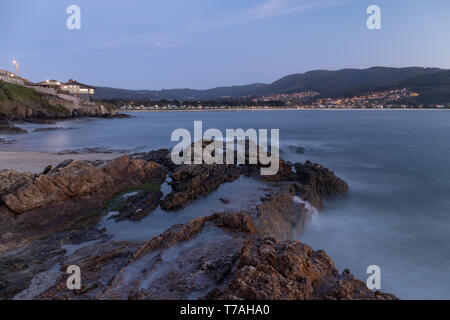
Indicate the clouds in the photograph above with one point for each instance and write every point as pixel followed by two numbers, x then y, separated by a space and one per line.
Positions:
pixel 141 40
pixel 272 8
pixel 275 8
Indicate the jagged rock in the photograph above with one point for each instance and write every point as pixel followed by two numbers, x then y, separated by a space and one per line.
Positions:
pixel 321 179
pixel 271 270
pixel 18 268
pixel 190 182
pixel 223 256
pixel 140 206
pixel 79 178
pixel 228 255
pixel 161 156
pixel 10 178
pixel 74 189
pixel 278 215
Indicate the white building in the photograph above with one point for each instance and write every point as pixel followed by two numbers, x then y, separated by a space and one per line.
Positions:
pixel 76 88
pixel 10 77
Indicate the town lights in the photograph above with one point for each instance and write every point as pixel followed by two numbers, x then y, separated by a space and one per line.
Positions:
pixel 16 64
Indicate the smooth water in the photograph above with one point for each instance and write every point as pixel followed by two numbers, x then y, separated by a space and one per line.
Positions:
pixel 397 164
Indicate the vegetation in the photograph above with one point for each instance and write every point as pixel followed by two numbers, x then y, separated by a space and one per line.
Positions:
pixel 14 96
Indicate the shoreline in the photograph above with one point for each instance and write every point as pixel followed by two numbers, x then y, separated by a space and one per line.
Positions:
pixel 286 109
pixel 36 162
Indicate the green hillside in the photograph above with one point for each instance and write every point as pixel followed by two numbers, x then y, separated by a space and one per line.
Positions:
pixel 18 102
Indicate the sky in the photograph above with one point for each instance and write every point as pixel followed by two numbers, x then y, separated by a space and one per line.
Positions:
pixel 157 44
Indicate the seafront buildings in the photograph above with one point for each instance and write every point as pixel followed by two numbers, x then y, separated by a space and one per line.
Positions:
pixel 54 87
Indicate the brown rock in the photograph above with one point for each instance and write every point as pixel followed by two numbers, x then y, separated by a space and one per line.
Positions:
pixel 80 178
pixel 190 182
pixel 321 179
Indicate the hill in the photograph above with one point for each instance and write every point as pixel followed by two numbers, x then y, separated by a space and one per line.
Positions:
pixel 327 83
pixel 432 88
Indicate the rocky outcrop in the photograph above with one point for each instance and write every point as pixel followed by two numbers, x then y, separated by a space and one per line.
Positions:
pixel 223 256
pixel 227 255
pixel 79 178
pixel 320 179
pixel 10 178
pixel 268 269
pixel 190 182
pixel 36 207
pixel 140 205
pixel 161 156
pixel 278 215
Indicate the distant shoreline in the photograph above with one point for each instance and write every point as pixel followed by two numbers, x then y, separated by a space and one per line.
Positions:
pixel 36 162
pixel 287 109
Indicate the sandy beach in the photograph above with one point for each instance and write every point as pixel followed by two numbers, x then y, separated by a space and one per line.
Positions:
pixel 36 162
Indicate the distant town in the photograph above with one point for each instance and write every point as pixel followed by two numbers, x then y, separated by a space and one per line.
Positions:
pixel 387 99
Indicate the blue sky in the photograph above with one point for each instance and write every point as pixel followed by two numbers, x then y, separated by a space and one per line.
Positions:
pixel 149 44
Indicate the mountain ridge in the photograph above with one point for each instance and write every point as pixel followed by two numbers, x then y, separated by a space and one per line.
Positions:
pixel 326 82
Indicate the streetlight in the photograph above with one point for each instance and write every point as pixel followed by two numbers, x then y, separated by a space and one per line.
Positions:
pixel 16 64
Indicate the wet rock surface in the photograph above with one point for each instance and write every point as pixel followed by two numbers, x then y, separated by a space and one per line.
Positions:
pixel 190 182
pixel 320 179
pixel 50 221
pixel 223 256
pixel 36 207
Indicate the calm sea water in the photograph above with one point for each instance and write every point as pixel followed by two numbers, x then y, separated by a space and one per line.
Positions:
pixel 397 163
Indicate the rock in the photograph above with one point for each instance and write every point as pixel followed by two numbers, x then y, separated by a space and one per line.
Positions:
pixel 190 182
pixel 80 178
pixel 7 129
pixel 19 267
pixel 140 206
pixel 279 216
pixel 321 179
pixel 222 256
pixel 161 156
pixel 10 178
pixel 45 204
pixel 47 170
pixel 246 255
pixel 271 270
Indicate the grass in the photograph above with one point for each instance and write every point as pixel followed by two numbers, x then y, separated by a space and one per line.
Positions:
pixel 12 95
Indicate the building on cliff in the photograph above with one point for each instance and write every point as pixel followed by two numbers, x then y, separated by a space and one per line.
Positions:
pixel 10 77
pixel 72 87
pixel 77 89
pixel 55 84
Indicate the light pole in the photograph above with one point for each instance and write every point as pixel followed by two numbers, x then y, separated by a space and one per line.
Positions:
pixel 16 64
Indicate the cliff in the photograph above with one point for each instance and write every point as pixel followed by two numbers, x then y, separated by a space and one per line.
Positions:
pixel 25 103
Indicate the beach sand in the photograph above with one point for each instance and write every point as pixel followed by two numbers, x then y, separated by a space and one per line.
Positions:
pixel 36 162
